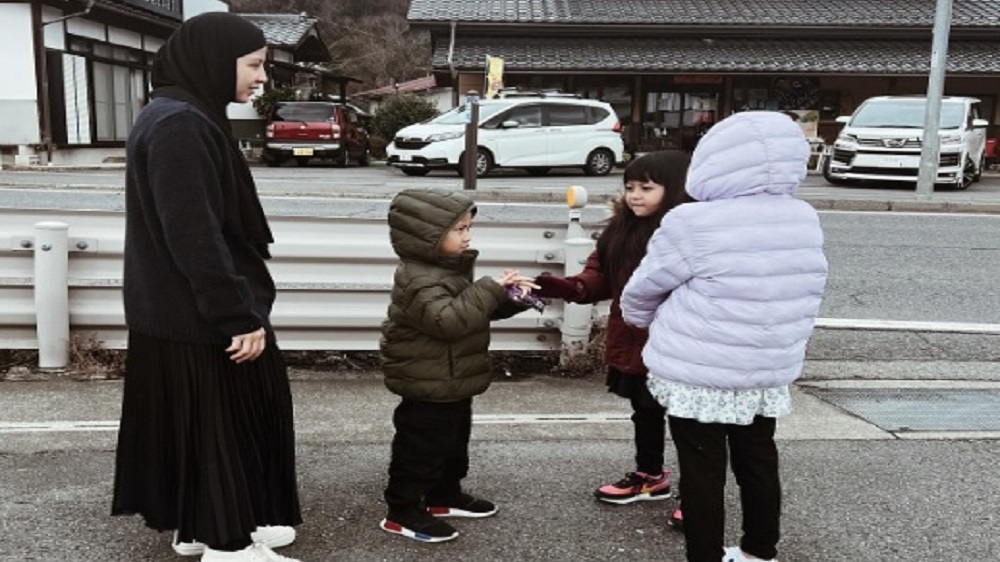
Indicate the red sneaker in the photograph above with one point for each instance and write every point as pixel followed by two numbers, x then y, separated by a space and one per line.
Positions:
pixel 636 486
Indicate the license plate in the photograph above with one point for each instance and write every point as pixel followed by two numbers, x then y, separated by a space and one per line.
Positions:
pixel 406 158
pixel 302 151
pixel 891 162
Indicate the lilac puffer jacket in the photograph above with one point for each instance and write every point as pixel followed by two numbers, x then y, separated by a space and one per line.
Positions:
pixel 744 266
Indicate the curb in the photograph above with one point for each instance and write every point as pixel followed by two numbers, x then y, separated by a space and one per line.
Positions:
pixel 972 207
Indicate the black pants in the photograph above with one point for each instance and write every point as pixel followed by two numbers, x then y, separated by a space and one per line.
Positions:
pixel 650 426
pixel 702 454
pixel 430 452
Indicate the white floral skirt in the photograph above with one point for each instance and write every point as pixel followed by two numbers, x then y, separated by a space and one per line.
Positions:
pixel 714 405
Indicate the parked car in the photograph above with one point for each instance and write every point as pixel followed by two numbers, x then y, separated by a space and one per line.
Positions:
pixel 328 130
pixel 535 133
pixel 883 138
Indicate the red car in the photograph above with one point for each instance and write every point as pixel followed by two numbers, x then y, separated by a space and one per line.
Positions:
pixel 327 130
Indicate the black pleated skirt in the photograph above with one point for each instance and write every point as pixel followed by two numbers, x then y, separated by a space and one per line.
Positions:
pixel 206 446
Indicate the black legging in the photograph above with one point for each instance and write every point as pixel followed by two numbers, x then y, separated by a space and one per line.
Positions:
pixel 430 452
pixel 650 426
pixel 753 455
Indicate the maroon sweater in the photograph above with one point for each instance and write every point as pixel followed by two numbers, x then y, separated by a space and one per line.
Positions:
pixel 623 348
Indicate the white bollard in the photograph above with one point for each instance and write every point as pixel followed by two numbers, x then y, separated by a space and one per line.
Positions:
pixel 577 318
pixel 52 294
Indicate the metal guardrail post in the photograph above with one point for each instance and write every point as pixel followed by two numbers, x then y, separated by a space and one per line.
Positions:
pixel 577 318
pixel 52 294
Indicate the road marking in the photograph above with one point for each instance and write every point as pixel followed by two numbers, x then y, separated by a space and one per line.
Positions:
pixel 907 326
pixel 519 419
pixel 479 419
pixel 56 426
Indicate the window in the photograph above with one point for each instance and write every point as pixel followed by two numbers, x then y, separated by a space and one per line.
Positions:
pixel 119 81
pixel 304 111
pixel 560 114
pixel 118 95
pixel 595 115
pixel 526 115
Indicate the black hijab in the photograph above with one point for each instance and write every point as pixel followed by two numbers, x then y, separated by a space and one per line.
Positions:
pixel 198 65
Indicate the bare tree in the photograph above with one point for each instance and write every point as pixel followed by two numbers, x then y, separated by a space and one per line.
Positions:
pixel 369 39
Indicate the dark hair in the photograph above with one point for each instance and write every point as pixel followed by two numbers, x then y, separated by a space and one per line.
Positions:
pixel 622 245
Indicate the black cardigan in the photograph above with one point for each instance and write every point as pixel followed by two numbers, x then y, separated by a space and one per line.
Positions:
pixel 190 273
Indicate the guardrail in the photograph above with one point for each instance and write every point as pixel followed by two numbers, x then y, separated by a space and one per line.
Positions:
pixel 333 277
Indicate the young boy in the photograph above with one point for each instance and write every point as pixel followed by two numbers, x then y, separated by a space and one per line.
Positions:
pixel 434 351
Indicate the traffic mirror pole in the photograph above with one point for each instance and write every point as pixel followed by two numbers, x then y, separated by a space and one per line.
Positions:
pixel 930 147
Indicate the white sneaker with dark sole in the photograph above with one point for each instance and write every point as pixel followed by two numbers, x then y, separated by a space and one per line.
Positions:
pixel 271 536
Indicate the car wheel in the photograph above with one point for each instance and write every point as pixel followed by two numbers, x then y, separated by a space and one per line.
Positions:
pixel 415 171
pixel 537 171
pixel 484 163
pixel 968 175
pixel 272 162
pixel 979 171
pixel 599 162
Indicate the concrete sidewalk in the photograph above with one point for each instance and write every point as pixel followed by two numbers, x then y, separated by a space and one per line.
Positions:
pixel 853 492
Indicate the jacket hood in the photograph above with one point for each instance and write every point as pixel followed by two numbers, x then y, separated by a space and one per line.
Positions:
pixel 420 218
pixel 747 154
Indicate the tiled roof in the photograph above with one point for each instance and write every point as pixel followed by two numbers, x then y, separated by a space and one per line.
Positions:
pixel 295 32
pixel 897 57
pixel 418 85
pixel 283 30
pixel 892 13
pixel 135 11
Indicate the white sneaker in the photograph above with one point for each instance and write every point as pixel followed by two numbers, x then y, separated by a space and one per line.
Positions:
pixel 735 554
pixel 256 552
pixel 271 536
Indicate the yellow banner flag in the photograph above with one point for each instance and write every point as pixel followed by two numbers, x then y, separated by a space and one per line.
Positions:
pixel 494 76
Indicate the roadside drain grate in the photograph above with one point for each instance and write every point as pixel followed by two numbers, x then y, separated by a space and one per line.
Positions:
pixel 900 409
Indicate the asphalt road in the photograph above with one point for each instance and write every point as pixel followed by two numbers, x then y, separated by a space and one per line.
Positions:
pixel 382 182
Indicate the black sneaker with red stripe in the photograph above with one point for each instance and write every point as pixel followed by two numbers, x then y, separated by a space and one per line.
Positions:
pixel 462 505
pixel 419 526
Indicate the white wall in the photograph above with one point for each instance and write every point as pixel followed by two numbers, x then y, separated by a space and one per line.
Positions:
pixel 18 99
pixel 194 7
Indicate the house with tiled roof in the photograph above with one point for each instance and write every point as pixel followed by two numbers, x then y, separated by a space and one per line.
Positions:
pixel 671 68
pixel 77 71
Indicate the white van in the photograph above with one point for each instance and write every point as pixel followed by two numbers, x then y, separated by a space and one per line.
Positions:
pixel 883 138
pixel 532 133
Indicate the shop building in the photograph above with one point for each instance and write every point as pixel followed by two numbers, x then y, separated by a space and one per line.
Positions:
pixel 672 68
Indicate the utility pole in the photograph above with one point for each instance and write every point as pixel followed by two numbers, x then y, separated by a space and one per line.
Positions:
pixel 471 141
pixel 930 148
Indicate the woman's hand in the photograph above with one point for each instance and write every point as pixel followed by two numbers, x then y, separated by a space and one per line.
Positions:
pixel 247 347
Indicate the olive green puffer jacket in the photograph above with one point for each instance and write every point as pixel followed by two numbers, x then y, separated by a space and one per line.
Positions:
pixel 437 334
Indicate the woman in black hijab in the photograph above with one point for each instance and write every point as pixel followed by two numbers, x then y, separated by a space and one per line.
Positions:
pixel 206 446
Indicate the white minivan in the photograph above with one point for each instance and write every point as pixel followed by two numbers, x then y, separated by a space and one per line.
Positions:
pixel 532 133
pixel 882 141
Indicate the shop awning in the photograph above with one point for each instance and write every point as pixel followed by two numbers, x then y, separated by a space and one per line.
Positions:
pixel 653 55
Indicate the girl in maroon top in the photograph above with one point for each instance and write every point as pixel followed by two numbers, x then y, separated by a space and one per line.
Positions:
pixel 654 184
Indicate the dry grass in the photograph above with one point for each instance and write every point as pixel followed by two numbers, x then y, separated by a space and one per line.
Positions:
pixel 90 360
